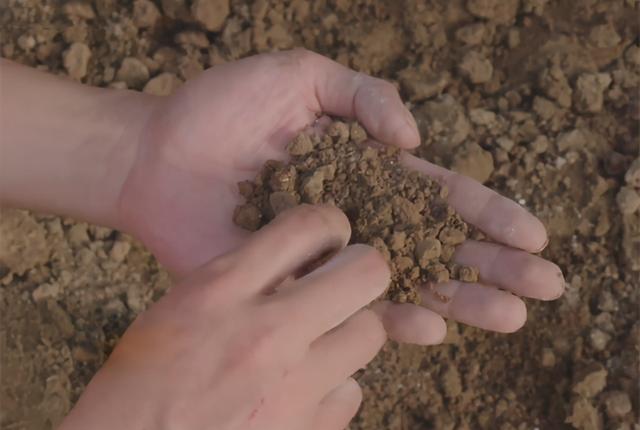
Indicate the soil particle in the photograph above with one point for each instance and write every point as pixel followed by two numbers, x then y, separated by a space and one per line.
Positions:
pixel 211 14
pixel 590 380
pixel 401 213
pixel 451 382
pixel 301 145
pixel 78 10
pixel 46 291
pixel 500 11
pixel 76 60
pixel 584 416
pixel 162 85
pixel 599 339
pixel 617 404
pixel 119 250
pixel 632 56
pixel 589 93
pixel 423 84
pixel 473 161
pixel 443 123
pixel 628 200
pixel 192 38
pixel 555 85
pixel 133 72
pixel 248 217
pixel 632 177
pixel 24 243
pixel 426 250
pixel 604 36
pixel 548 358
pixel 476 68
pixel 145 13
pixel 574 139
pixel 482 117
pixel 471 34
pixel 26 42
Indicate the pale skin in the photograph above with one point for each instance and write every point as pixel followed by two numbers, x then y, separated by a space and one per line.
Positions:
pixel 165 170
pixel 212 355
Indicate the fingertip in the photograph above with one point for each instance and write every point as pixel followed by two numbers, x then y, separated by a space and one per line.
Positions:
pixel 560 282
pixel 479 305
pixel 378 106
pixel 409 323
pixel 514 316
pixel 350 389
pixel 539 231
pixel 406 133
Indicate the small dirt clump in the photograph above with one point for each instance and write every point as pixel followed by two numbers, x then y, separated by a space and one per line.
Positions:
pixel 401 213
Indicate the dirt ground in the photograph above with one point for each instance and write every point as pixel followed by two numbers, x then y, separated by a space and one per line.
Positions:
pixel 536 98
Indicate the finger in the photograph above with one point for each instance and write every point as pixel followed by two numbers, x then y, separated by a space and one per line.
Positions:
pixel 338 408
pixel 511 269
pixel 340 353
pixel 293 239
pixel 502 219
pixel 408 323
pixel 323 299
pixel 478 305
pixel 338 90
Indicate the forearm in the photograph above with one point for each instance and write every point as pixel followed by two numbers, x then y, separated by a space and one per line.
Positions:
pixel 65 148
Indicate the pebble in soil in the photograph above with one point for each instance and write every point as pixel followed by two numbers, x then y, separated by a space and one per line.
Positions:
pixel 401 213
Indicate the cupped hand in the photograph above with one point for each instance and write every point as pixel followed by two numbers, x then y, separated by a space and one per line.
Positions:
pixel 221 127
pixel 238 345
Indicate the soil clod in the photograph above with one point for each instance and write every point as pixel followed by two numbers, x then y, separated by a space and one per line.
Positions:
pixel 401 213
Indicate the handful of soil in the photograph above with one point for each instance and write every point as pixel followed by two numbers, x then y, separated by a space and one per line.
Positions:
pixel 401 213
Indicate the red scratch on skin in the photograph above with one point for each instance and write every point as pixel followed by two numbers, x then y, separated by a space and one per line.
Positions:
pixel 254 413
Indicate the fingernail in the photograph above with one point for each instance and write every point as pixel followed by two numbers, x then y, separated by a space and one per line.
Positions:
pixel 410 118
pixel 546 242
pixel 342 258
pixel 563 283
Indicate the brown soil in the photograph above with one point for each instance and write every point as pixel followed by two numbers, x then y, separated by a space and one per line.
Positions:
pixel 403 214
pixel 536 98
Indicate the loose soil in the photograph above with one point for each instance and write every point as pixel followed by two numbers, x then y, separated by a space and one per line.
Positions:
pixel 403 214
pixel 536 98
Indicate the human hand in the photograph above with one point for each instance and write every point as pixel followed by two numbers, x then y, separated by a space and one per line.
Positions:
pixel 241 344
pixel 221 127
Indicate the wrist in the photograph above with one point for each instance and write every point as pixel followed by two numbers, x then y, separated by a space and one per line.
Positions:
pixel 66 148
pixel 109 151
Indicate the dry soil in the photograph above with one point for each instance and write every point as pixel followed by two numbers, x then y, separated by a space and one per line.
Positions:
pixel 536 98
pixel 403 214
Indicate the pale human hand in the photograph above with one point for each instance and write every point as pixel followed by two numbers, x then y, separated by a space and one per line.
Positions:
pixel 220 128
pixel 242 344
pixel 165 170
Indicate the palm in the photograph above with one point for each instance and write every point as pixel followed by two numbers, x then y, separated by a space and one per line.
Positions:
pixel 219 129
pixel 215 132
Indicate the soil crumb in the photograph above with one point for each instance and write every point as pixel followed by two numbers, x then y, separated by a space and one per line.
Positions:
pixel 401 213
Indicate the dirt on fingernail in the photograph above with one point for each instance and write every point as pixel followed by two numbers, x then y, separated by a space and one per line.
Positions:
pixel 401 213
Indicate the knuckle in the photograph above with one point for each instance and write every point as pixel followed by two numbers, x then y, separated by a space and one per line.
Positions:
pixel 257 349
pixel 373 329
pixel 529 273
pixel 209 285
pixel 308 218
pixel 300 57
pixel 222 266
pixel 384 86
